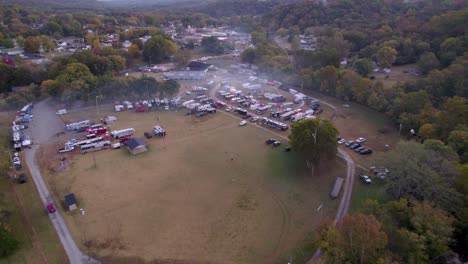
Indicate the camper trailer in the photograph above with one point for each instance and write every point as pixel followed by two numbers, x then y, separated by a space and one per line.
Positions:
pixel 117 134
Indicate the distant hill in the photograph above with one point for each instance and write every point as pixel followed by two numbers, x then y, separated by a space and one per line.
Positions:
pixel 56 4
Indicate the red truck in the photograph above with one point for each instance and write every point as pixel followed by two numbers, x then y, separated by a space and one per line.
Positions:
pixel 98 131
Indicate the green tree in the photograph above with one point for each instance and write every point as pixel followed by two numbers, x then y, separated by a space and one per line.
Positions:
pixel 314 139
pixel 454 113
pixel 364 66
pixel 458 140
pixel 182 57
pixel 449 50
pixel 8 244
pixel 361 90
pixel 295 43
pixel 249 55
pixel 386 56
pixel 258 38
pixel 328 77
pixel 170 88
pixel 212 45
pixel 158 48
pixel 421 173
pixel 427 62
pixel 73 72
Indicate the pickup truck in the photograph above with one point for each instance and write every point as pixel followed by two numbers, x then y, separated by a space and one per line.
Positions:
pixel 66 149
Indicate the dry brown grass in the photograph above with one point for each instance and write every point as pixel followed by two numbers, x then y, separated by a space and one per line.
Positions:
pixel 210 191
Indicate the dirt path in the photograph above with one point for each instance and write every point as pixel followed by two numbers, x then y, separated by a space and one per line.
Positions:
pixel 45 125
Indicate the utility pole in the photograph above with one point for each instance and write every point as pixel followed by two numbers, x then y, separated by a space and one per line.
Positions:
pixel 97 107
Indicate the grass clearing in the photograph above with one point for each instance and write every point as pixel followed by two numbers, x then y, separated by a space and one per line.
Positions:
pixel 397 75
pixel 210 191
pixel 363 192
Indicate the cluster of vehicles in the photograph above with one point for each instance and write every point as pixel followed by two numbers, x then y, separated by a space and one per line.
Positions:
pixel 356 145
pixel 18 138
pixel 97 137
pixel 155 104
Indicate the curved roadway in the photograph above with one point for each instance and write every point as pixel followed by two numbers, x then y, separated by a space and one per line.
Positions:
pixel 45 125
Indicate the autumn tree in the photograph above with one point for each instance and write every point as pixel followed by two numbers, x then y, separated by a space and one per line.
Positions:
pixel 52 88
pixel 134 51
pixel 357 239
pixel 314 139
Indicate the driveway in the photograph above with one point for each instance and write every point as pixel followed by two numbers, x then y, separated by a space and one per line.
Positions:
pixel 45 125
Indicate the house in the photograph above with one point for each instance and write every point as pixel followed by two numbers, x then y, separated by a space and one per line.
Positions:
pixel 136 146
pixel 70 201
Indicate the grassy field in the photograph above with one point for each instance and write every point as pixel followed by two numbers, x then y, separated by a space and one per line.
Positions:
pixel 210 191
pixel 363 192
pixel 34 213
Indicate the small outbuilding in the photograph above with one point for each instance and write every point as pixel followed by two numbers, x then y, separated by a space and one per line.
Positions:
pixel 136 146
pixel 70 200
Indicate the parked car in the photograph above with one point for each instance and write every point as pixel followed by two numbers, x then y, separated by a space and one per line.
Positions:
pixel 51 208
pixel 355 145
pixel 365 179
pixel 365 151
pixel 18 167
pixel 287 149
pixel 360 140
pixel 116 146
pixel 270 141
pixel 341 141
pixel 243 123
pixel 148 135
pixel 359 149
pixel 16 161
pixel 276 143
pixel 349 143
pixel 254 119
pixel 22 178
pixel 228 109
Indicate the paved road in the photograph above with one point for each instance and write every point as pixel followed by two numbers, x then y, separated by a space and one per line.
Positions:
pixel 44 125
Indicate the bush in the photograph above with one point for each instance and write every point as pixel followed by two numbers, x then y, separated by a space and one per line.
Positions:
pixel 8 244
